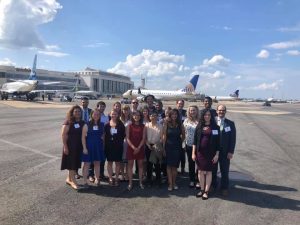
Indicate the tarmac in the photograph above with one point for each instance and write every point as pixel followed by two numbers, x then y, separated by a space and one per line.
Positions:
pixel 264 173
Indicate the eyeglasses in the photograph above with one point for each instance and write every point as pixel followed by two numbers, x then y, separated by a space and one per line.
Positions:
pixel 134 102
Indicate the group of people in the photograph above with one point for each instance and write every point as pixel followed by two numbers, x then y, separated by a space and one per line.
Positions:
pixel 152 139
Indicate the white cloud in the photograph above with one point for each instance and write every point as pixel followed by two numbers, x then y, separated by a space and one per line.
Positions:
pixel 263 54
pixel 217 75
pixel 7 62
pixel 150 63
pixel 295 28
pixel 53 53
pixel 52 47
pixel 19 21
pixel 216 60
pixel 96 45
pixel 293 52
pixel 238 77
pixel 268 86
pixel 227 28
pixel 284 45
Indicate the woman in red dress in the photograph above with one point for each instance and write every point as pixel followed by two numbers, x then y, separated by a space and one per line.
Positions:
pixel 136 136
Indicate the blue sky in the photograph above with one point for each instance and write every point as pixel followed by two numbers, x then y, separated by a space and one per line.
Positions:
pixel 253 46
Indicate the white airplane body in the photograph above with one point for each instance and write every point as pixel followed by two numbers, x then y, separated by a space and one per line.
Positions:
pixel 21 87
pixel 185 93
pixel 232 97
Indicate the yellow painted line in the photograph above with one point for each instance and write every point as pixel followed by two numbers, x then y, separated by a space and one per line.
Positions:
pixel 260 112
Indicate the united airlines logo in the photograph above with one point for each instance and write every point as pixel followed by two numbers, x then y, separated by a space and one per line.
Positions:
pixel 189 88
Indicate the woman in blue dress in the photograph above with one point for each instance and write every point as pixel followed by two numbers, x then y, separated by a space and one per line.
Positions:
pixel 92 141
pixel 173 136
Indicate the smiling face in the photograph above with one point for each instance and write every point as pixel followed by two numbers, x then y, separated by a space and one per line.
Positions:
pixel 136 117
pixel 221 111
pixel 96 115
pixel 192 112
pixel 77 113
pixel 207 116
pixel 114 115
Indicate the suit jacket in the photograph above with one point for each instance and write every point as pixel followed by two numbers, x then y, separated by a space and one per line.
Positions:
pixel 182 114
pixel 89 112
pixel 214 140
pixel 228 137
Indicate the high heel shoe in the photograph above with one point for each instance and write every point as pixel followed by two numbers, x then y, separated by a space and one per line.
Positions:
pixel 129 187
pixel 200 194
pixel 205 195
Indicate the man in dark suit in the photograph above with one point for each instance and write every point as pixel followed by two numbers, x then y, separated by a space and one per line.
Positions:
pixel 182 114
pixel 227 146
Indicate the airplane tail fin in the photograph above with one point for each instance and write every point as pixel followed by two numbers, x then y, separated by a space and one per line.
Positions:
pixel 32 75
pixel 235 94
pixel 191 86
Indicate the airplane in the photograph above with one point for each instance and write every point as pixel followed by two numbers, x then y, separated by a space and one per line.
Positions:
pixel 232 97
pixel 187 92
pixel 23 87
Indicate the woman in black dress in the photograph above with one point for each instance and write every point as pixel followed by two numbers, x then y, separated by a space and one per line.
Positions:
pixel 72 145
pixel 206 151
pixel 173 136
pixel 114 134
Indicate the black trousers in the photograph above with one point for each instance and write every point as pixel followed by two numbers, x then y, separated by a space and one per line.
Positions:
pixel 224 165
pixel 189 151
pixel 182 159
pixel 150 166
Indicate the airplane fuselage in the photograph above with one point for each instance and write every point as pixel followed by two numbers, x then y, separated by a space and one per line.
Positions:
pixel 19 87
pixel 158 94
pixel 224 98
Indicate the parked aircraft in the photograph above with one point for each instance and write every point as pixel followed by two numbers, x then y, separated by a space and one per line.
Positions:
pixel 187 92
pixel 23 87
pixel 232 97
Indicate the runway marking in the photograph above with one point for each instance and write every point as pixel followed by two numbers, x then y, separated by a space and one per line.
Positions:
pixel 260 112
pixel 30 149
pixel 26 172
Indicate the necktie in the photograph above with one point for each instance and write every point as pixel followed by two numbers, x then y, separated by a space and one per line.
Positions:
pixel 221 125
pixel 86 116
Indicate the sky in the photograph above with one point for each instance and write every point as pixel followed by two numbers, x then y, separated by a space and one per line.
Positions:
pixel 253 46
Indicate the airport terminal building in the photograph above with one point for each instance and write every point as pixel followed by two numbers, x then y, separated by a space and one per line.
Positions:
pixel 105 83
pixel 102 83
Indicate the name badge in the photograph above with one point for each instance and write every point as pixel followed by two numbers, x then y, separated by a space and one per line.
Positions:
pixel 227 129
pixel 76 125
pixel 114 131
pixel 215 132
pixel 95 127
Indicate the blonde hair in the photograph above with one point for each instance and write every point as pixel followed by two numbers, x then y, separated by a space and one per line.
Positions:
pixel 189 115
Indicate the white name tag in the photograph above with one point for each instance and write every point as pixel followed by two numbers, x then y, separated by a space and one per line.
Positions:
pixel 114 131
pixel 76 125
pixel 215 132
pixel 227 129
pixel 95 128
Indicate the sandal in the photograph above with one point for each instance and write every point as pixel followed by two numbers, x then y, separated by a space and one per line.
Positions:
pixel 111 182
pixel 205 197
pixel 142 186
pixel 200 194
pixel 97 183
pixel 129 187
pixel 170 188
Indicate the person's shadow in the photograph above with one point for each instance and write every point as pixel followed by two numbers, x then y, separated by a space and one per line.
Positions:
pixel 258 194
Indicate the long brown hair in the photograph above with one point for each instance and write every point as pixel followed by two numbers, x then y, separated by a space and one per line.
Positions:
pixel 70 116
